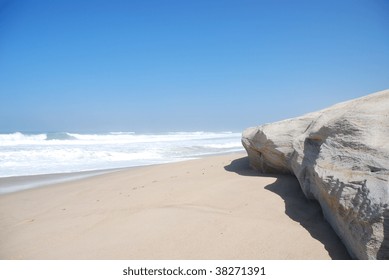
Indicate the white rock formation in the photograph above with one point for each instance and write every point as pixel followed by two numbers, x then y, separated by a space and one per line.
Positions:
pixel 340 156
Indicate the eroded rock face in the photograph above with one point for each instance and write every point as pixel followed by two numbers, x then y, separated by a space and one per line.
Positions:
pixel 340 156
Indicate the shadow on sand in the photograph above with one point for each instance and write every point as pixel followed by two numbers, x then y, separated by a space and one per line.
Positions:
pixel 306 212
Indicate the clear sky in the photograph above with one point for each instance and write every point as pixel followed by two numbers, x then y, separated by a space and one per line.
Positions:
pixel 184 65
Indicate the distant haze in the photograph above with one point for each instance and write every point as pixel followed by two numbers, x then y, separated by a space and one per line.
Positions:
pixel 154 66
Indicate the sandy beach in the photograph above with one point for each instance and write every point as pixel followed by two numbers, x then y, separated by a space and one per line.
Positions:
pixel 210 208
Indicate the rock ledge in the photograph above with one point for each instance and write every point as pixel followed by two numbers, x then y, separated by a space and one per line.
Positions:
pixel 340 156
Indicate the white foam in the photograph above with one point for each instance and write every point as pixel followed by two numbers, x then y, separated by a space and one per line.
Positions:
pixel 18 138
pixel 46 153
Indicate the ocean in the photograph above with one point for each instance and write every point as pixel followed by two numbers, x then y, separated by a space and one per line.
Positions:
pixel 24 154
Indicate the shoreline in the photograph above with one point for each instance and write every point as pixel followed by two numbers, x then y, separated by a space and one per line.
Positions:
pixel 22 183
pixel 13 184
pixel 209 208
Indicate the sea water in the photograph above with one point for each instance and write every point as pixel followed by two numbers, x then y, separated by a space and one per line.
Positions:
pixel 47 153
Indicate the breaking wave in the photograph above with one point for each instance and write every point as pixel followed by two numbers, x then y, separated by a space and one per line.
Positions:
pixel 45 153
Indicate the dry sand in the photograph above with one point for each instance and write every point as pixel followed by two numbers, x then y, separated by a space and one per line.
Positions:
pixel 212 208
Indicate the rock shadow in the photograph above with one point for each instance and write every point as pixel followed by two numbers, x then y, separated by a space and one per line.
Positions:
pixel 306 212
pixel 242 167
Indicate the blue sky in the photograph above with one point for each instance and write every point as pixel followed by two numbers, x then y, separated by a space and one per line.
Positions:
pixel 154 66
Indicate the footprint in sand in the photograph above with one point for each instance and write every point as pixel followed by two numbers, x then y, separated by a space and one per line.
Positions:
pixel 26 221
